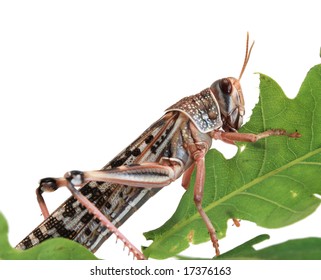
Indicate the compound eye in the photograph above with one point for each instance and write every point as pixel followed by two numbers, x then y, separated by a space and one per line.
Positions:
pixel 225 86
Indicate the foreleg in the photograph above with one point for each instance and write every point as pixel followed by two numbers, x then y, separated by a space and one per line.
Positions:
pixel 231 137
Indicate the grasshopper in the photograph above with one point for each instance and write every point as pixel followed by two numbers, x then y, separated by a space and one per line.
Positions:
pixel 172 147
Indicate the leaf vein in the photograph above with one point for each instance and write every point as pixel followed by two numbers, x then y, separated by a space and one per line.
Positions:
pixel 269 201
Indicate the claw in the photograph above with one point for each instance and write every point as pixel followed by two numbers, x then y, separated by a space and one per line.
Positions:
pixel 295 135
pixel 236 222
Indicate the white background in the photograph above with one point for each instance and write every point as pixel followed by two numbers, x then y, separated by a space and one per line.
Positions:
pixel 79 80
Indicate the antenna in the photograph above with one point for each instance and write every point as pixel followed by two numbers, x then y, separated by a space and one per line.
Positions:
pixel 247 55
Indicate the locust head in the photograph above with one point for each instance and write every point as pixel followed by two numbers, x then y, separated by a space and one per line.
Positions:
pixel 229 96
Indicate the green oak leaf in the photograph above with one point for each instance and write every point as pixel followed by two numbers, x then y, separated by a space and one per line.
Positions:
pixel 52 249
pixel 271 182
pixel 297 249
